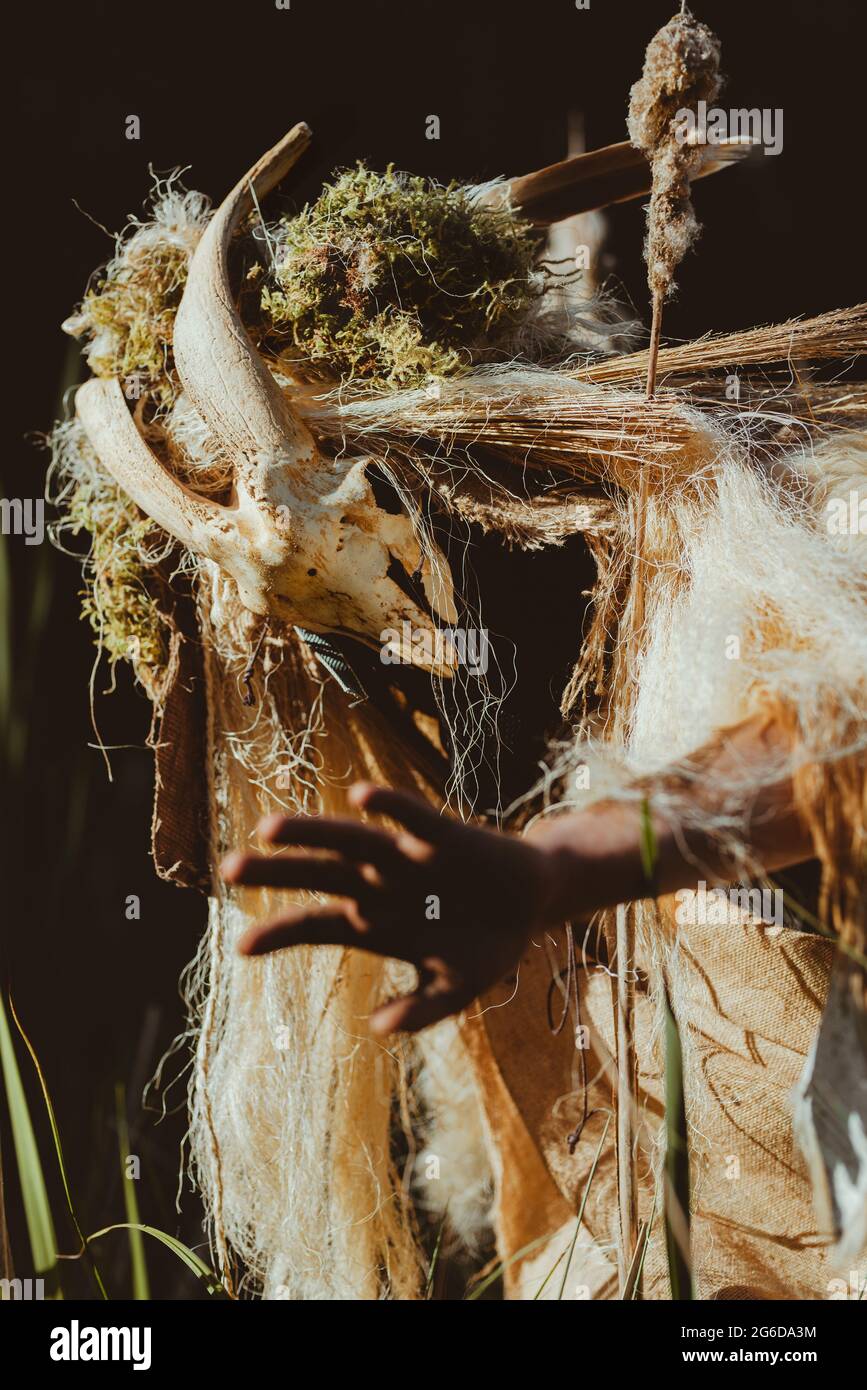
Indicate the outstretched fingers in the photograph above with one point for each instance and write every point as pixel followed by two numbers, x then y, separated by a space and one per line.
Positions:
pixel 337 925
pixel 418 817
pixel 313 927
pixel 313 872
pixel 350 838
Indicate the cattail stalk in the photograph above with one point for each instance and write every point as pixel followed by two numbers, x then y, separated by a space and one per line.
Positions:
pixel 681 67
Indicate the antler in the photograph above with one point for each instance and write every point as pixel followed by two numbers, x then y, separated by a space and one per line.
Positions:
pixel 220 368
pixel 308 544
pixel 233 537
pixel 236 396
pixel 113 433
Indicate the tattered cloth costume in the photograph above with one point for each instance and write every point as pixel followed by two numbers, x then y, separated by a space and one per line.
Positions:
pixel 422 493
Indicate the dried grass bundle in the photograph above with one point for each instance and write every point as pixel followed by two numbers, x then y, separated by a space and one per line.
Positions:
pixel 836 335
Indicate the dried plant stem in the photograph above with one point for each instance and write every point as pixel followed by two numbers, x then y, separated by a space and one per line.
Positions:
pixel 627 1191
pixel 641 505
pixel 681 67
pixel 625 1000
pixel 653 350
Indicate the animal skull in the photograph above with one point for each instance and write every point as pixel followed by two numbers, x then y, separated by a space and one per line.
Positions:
pixel 303 536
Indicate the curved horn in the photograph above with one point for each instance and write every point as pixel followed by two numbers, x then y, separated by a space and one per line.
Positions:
pixel 113 433
pixel 221 370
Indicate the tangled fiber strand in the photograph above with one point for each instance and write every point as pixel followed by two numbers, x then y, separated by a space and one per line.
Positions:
pixel 838 334
pixel 798 646
pixel 124 592
pixel 535 417
pixel 127 323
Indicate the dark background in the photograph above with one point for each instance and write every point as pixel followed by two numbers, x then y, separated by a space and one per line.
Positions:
pixel 214 86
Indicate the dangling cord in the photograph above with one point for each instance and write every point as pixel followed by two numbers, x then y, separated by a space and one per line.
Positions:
pixel 571 995
pixel 557 1028
pixel 572 1139
pixel 248 697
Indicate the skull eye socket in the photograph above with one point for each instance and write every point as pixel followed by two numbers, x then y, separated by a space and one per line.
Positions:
pixel 384 494
pixel 411 586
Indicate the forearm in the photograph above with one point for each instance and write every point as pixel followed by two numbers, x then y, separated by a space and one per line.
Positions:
pixel 595 858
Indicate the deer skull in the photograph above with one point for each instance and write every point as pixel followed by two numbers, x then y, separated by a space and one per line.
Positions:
pixel 303 536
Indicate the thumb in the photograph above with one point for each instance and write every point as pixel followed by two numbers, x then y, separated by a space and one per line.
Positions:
pixel 412 1012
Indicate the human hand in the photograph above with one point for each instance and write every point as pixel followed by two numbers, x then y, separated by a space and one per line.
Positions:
pixel 457 901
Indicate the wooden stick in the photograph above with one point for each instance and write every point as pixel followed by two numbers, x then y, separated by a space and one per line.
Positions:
pixel 597 179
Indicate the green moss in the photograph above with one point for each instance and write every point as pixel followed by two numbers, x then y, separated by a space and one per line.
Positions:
pixel 127 320
pixel 117 599
pixel 128 316
pixel 131 315
pixel 391 278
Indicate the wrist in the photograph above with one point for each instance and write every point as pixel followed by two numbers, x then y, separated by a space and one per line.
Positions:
pixel 592 860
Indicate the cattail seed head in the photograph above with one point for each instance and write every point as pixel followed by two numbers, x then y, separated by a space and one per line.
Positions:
pixel 681 68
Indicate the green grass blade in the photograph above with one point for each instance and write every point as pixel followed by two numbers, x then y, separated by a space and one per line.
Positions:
pixel 6 1270
pixel 677 1194
pixel 5 651
pixel 551 1272
pixel 648 847
pixel 590 1176
pixel 500 1269
pixel 632 1283
pixel 58 1148
pixel 138 1263
pixel 428 1288
pixel 37 1209
pixel 177 1247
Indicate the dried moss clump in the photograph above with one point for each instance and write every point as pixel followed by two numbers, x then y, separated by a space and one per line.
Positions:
pixel 127 319
pixel 119 571
pixel 120 610
pixel 129 316
pixel 391 278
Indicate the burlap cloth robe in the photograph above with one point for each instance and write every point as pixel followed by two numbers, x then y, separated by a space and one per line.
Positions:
pixel 747 1003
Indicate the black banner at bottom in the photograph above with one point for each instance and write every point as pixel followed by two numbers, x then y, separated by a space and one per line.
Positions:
pixel 63 1339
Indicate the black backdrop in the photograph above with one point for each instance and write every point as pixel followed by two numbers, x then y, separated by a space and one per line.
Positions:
pixel 214 85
